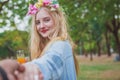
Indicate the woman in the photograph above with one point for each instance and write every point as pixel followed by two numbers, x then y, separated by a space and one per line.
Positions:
pixel 50 44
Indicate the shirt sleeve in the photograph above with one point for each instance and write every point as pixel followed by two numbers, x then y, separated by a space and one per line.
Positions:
pixel 52 62
pixel 3 74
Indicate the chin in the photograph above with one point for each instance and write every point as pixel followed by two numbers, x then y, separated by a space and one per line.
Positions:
pixel 44 36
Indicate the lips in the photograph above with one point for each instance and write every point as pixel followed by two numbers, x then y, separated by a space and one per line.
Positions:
pixel 44 30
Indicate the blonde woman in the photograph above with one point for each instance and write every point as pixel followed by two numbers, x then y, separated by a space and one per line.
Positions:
pixel 50 44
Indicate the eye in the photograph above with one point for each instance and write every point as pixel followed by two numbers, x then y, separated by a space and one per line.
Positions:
pixel 37 22
pixel 47 19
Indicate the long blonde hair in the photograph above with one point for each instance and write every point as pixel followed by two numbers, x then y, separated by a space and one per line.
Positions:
pixel 38 44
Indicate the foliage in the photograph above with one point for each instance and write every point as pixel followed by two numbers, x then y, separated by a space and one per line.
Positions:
pixel 10 10
pixel 87 19
pixel 11 41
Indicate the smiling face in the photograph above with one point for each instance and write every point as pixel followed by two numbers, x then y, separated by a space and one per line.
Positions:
pixel 44 23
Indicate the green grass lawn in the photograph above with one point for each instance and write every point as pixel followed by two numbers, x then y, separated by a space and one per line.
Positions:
pixel 101 68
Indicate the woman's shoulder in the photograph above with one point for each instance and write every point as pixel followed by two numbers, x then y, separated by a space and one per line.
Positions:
pixel 61 43
pixel 60 46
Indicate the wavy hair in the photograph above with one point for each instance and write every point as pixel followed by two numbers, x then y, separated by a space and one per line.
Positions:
pixel 38 45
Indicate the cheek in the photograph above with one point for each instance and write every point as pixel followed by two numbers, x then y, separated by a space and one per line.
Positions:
pixel 51 25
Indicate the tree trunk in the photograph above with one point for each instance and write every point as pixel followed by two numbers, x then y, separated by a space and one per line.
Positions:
pixel 113 26
pixel 91 56
pixel 83 50
pixel 99 48
pixel 117 42
pixel 82 46
pixel 107 43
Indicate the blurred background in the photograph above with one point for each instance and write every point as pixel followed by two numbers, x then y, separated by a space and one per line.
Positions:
pixel 94 27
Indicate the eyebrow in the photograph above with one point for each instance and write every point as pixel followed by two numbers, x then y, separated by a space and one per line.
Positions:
pixel 44 17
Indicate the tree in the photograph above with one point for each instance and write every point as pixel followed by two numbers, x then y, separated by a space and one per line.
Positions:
pixel 10 9
pixel 97 16
pixel 82 14
pixel 12 12
pixel 11 41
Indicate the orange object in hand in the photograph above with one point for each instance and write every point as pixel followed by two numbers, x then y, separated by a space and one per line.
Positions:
pixel 21 56
pixel 21 60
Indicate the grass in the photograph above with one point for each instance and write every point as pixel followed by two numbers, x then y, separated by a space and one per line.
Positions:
pixel 101 68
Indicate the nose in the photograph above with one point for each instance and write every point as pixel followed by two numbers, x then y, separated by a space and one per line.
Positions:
pixel 42 25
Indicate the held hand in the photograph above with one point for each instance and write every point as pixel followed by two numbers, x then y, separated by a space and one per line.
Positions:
pixel 31 72
pixel 10 66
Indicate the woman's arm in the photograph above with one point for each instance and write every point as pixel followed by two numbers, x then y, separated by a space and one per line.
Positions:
pixel 52 62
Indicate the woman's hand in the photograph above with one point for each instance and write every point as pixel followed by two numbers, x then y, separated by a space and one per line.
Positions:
pixel 32 72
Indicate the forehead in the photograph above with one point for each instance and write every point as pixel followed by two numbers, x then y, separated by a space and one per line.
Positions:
pixel 42 14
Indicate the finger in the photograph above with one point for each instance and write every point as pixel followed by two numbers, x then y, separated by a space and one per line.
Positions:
pixel 36 72
pixel 21 68
pixel 41 76
pixel 29 72
pixel 11 77
pixel 36 77
pixel 17 75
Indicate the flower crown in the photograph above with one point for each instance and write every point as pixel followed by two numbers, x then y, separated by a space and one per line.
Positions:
pixel 52 4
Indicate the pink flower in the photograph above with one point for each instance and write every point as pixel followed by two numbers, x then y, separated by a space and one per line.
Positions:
pixel 56 5
pixel 46 2
pixel 32 10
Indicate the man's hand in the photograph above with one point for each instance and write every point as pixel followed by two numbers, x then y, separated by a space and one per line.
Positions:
pixel 10 66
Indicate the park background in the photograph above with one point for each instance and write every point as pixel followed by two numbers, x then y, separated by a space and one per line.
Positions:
pixel 94 28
